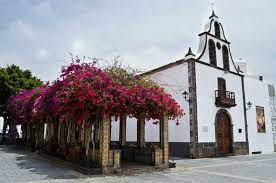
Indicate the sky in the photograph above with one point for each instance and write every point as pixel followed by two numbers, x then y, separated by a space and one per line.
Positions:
pixel 39 34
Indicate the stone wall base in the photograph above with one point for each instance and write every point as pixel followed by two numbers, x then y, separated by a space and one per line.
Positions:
pixel 204 150
pixel 179 149
pixel 208 149
pixel 240 148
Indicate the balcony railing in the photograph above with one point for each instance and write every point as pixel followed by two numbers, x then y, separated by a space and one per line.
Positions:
pixel 225 98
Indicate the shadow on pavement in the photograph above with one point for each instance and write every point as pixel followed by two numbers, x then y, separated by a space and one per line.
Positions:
pixel 35 164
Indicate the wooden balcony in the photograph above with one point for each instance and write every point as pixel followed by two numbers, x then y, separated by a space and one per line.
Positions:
pixel 225 99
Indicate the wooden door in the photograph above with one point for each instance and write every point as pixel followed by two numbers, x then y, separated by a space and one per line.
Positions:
pixel 224 134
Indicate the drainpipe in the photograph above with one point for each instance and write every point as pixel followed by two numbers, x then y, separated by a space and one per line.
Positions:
pixel 245 114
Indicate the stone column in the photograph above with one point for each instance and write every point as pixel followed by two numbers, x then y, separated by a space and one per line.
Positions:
pixel 104 143
pixel 141 131
pixel 122 137
pixel 194 149
pixel 164 138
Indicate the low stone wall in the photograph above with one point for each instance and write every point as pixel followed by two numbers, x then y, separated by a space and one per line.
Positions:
pixel 144 155
pixel 114 158
pixel 240 148
pixel 179 149
pixel 205 150
pixel 209 149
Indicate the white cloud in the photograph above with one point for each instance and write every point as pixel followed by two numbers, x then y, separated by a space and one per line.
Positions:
pixel 145 33
pixel 21 30
pixel 78 47
pixel 43 8
pixel 42 54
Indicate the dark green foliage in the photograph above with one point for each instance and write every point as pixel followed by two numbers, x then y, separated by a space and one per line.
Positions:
pixel 12 80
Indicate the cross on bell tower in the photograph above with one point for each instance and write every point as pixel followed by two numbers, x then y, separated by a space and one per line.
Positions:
pixel 212 4
pixel 213 10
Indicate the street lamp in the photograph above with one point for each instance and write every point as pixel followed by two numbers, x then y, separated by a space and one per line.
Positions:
pixel 186 96
pixel 249 105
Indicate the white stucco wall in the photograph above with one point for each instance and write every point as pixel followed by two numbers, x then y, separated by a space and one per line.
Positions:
pixel 206 78
pixel 273 118
pixel 257 93
pixel 175 82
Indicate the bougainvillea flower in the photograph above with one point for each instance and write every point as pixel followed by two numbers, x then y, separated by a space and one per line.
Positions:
pixel 84 92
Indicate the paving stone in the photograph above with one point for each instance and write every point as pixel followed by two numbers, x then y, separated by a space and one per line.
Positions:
pixel 23 166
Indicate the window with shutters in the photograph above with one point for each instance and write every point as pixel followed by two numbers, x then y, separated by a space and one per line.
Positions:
pixel 221 84
pixel 224 98
pixel 217 30
pixel 225 58
pixel 212 52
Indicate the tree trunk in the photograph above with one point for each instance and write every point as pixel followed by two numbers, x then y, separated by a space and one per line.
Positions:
pixel 69 133
pixel 12 134
pixel 24 133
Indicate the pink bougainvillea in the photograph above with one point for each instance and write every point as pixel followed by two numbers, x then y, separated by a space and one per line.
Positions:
pixel 21 106
pixel 84 92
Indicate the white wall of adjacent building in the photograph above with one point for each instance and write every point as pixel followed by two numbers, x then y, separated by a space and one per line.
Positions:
pixel 273 118
pixel 1 124
pixel 206 78
pixel 257 93
pixel 175 82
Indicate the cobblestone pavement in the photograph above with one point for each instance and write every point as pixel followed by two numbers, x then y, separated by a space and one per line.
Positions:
pixel 23 166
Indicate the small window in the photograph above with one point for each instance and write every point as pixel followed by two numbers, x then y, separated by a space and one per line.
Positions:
pixel 225 57
pixel 217 30
pixel 240 130
pixel 212 53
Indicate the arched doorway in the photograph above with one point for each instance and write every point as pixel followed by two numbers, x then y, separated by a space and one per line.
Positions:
pixel 224 134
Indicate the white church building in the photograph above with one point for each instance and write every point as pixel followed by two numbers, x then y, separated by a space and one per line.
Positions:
pixel 227 111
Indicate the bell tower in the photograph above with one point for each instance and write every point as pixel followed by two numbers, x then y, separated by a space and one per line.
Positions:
pixel 214 48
